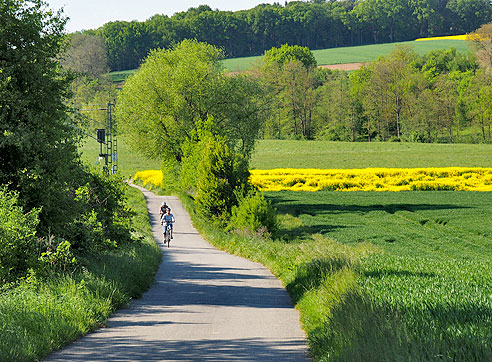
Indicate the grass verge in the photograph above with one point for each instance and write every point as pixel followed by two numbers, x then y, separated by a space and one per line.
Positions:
pixel 40 316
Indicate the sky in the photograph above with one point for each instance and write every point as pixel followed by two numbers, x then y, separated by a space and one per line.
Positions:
pixel 91 14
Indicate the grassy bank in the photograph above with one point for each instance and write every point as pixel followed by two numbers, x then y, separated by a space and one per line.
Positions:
pixel 381 276
pixel 43 314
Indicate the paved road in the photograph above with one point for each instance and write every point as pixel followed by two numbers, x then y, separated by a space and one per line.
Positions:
pixel 205 305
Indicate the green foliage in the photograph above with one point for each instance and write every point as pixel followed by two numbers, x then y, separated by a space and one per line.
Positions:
pixel 253 214
pixel 38 154
pixel 102 216
pixel 86 54
pixel 219 173
pixel 18 240
pixel 40 316
pixel 170 91
pixel 288 53
pixel 316 24
pixel 58 258
pixel 162 102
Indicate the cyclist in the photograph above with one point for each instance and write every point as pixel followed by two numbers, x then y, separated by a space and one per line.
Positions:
pixel 162 209
pixel 168 218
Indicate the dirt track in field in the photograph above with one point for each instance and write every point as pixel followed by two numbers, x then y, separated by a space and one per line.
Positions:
pixel 346 66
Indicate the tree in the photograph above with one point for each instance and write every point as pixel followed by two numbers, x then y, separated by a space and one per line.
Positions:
pixel 481 43
pixel 161 104
pixel 480 97
pixel 289 74
pixel 87 55
pixel 288 53
pixel 338 109
pixel 38 153
pixel 388 90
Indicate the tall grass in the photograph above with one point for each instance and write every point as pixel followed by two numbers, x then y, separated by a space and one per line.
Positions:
pixel 42 315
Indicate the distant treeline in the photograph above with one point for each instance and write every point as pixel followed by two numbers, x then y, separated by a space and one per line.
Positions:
pixel 316 24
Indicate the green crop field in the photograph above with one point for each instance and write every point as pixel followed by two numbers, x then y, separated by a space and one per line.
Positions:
pixel 120 76
pixel 391 276
pixel 271 154
pixel 356 54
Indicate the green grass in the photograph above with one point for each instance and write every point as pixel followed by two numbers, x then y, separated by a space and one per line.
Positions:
pixel 43 315
pixel 381 276
pixel 129 161
pixel 325 154
pixel 422 265
pixel 367 53
pixel 271 154
pixel 120 76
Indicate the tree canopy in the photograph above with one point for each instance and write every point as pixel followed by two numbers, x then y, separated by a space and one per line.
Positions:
pixel 315 24
pixel 161 103
pixel 37 143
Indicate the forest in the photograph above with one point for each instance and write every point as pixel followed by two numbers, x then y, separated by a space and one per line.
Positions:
pixel 317 24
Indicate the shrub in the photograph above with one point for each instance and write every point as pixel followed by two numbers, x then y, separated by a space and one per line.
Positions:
pixel 254 214
pixel 211 172
pixel 102 217
pixel 18 241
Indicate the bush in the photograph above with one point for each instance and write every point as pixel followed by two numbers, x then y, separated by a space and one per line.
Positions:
pixel 254 214
pixel 211 173
pixel 102 218
pixel 18 241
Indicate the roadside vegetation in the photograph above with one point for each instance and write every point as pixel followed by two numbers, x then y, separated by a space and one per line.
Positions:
pixel 68 238
pixel 69 298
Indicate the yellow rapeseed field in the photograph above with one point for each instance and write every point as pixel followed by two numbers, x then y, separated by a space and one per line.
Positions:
pixel 452 37
pixel 151 177
pixel 368 179
pixel 374 179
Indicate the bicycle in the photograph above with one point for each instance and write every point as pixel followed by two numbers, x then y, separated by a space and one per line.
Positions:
pixel 167 233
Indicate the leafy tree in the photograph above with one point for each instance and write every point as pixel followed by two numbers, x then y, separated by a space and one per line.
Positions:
pixel 388 90
pixel 481 43
pixel 480 97
pixel 288 53
pixel 160 105
pixel 87 54
pixel 336 109
pixel 18 240
pixel 289 73
pixel 38 154
pixel 469 15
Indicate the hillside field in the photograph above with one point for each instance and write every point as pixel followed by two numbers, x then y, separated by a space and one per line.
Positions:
pixel 342 55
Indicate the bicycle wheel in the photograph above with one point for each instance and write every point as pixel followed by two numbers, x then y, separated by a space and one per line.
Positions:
pixel 167 237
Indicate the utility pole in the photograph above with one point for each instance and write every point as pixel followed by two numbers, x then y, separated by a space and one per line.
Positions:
pixel 107 136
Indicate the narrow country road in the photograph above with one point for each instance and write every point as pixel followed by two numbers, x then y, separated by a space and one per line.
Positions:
pixel 205 305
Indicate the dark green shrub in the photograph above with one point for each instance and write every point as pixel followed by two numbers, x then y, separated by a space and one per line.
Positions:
pixel 211 172
pixel 18 241
pixel 254 214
